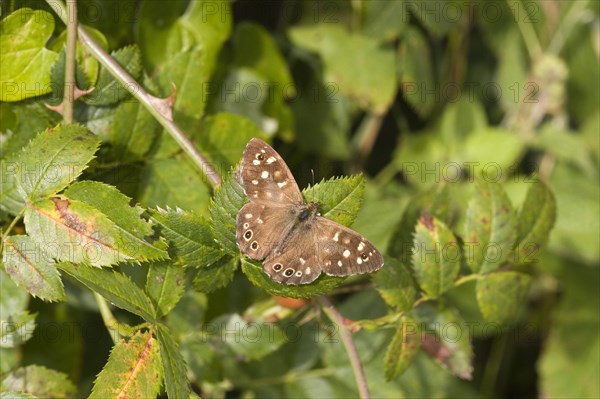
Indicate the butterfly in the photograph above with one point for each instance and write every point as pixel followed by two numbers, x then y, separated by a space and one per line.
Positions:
pixel 294 241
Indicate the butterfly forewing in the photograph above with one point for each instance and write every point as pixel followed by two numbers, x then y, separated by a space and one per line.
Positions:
pixel 266 177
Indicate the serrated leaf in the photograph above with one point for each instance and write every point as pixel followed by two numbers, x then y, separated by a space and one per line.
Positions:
pixel 133 369
pixel 536 220
pixel 190 239
pixel 384 20
pixel 11 201
pixel 165 284
pixel 17 327
pixel 395 285
pixel 501 295
pixel 491 151
pixel 403 348
pixel 255 273
pixel 108 90
pixel 339 197
pixel 174 182
pixel 53 159
pixel 175 369
pixel 217 275
pixel 74 231
pixel 224 207
pixel 436 256
pixel 490 228
pixel 39 381
pixel 30 267
pixel 445 340
pixel 115 287
pixel 434 201
pixel 223 138
pixel 26 63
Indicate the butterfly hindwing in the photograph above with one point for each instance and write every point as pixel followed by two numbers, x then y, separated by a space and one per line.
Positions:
pixel 344 252
pixel 265 176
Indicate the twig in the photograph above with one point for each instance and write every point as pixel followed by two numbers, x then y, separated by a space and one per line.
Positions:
pixel 529 36
pixel 123 77
pixel 367 133
pixel 70 81
pixel 346 336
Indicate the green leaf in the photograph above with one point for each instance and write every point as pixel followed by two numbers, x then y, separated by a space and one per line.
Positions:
pixel 115 287
pixel 339 197
pixel 385 20
pixel 224 207
pixel 165 284
pixel 176 182
pixel 251 339
pixel 131 133
pixel 53 159
pixel 26 65
pixel 445 340
pixel 490 228
pixel 403 348
pixel 437 16
pixel 395 285
pixel 434 201
pixel 175 369
pixel 133 369
pixel 17 328
pixel 39 381
pixel 223 138
pixel 415 72
pixel 371 81
pixel 75 231
pixel 492 152
pixel 536 220
pixel 436 256
pixel 568 366
pixel 11 201
pixel 217 275
pixel 14 299
pixel 255 48
pixel 108 90
pixel 189 236
pixel 255 273
pixel 501 295
pixel 30 267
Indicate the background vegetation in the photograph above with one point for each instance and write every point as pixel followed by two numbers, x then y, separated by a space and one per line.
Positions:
pixel 475 126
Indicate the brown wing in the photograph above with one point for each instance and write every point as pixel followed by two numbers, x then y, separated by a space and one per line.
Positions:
pixel 266 178
pixel 323 246
pixel 259 228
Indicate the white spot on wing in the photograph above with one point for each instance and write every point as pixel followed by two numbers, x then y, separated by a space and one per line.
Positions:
pixel 336 236
pixel 246 225
pixel 346 253
pixel 361 246
pixel 282 184
pixel 256 162
pixel 264 174
pixel 339 263
pixel 302 261
pixel 307 270
pixel 259 221
pixel 248 216
pixel 270 160
pixel 255 182
pixel 346 241
pixel 358 260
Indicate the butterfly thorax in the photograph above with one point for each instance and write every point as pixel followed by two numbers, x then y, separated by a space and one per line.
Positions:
pixel 308 211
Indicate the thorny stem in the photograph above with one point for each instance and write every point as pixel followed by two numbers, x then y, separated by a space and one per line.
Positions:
pixel 70 81
pixel 123 77
pixel 359 374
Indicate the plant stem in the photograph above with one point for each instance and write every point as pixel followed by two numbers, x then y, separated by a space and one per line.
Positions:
pixel 70 81
pixel 346 336
pixel 367 133
pixel 136 90
pixel 526 27
pixel 110 321
pixel 12 224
